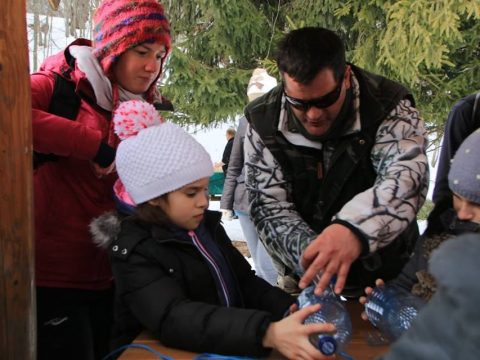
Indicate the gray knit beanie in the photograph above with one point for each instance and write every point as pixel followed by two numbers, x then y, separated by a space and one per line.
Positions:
pixel 464 175
pixel 160 159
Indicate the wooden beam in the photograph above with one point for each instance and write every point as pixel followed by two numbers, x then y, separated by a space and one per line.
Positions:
pixel 17 304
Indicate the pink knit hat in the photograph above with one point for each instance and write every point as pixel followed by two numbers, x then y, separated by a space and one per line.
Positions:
pixel 123 24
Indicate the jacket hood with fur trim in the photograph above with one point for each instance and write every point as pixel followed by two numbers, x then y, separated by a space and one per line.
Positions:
pixel 105 229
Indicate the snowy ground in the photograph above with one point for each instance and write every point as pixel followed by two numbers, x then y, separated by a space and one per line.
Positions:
pixel 232 227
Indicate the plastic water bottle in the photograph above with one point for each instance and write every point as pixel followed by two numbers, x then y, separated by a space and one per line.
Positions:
pixel 392 309
pixel 332 311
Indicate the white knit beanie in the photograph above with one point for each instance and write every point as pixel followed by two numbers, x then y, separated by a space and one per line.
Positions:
pixel 464 174
pixel 260 83
pixel 160 159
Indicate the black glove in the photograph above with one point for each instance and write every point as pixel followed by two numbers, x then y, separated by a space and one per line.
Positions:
pixel 105 155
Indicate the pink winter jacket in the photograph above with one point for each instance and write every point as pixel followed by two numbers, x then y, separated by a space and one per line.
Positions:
pixel 68 194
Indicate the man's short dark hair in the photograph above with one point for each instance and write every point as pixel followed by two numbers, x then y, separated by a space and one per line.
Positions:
pixel 304 52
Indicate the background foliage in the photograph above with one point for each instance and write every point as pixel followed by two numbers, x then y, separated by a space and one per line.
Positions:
pixel 431 46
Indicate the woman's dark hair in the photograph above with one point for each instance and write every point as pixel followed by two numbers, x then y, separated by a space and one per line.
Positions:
pixel 304 52
pixel 152 214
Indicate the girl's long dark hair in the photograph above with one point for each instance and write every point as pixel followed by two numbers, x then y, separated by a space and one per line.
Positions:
pixel 151 214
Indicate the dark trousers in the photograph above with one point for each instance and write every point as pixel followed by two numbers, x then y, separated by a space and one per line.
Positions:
pixel 73 324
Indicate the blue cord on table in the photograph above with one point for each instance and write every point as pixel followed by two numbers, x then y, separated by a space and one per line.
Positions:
pixel 206 356
pixel 203 356
pixel 344 355
pixel 138 346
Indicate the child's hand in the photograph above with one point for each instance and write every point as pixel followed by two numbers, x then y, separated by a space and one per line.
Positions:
pixel 100 172
pixel 293 308
pixel 368 291
pixel 289 336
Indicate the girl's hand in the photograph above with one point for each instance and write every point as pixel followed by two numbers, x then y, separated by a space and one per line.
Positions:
pixel 363 299
pixel 101 172
pixel 289 336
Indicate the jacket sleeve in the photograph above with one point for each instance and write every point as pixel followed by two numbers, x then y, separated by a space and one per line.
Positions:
pixel 235 166
pixel 162 305
pixel 460 123
pixel 280 227
pixel 399 158
pixel 227 151
pixel 55 134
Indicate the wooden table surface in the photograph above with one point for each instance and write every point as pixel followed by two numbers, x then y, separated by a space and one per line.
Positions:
pixel 357 348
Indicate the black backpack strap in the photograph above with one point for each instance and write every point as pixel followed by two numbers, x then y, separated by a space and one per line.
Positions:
pixel 65 102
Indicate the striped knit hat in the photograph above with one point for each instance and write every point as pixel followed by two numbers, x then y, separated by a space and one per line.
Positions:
pixel 121 25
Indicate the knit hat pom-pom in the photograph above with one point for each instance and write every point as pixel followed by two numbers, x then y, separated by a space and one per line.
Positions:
pixel 132 116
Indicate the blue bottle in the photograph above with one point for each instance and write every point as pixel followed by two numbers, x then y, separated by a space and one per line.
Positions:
pixel 392 309
pixel 332 311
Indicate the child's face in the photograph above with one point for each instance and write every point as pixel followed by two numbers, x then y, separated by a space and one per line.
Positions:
pixel 185 206
pixel 466 210
pixel 138 68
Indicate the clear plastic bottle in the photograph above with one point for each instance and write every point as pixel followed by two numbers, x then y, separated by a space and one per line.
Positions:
pixel 392 309
pixel 332 311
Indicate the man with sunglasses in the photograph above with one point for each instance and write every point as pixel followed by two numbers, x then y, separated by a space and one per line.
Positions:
pixel 336 167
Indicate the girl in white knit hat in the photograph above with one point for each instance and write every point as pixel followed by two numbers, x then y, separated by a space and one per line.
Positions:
pixel 176 271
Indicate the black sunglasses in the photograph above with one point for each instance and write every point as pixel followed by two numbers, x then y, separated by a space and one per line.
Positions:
pixel 320 103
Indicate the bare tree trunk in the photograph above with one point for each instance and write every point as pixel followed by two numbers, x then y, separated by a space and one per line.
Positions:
pixel 36 34
pixel 17 304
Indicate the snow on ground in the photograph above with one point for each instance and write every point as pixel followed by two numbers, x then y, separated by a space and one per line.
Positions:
pixel 232 227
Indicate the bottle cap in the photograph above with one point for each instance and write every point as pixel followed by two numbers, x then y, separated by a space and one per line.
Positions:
pixel 327 345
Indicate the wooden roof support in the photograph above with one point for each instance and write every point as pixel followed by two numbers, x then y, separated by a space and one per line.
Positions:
pixel 17 304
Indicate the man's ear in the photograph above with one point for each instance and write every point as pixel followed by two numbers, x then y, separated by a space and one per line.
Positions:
pixel 347 76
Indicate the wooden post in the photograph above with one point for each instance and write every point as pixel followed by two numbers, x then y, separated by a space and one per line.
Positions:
pixel 17 305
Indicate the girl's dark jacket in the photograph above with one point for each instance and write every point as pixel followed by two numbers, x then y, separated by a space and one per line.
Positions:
pixel 164 284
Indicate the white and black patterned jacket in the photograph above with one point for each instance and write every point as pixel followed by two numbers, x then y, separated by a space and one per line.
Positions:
pixel 378 214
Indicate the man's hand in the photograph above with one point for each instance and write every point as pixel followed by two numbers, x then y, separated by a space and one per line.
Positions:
pixel 332 252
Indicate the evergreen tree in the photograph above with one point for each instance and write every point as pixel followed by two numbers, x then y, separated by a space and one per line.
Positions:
pixel 430 46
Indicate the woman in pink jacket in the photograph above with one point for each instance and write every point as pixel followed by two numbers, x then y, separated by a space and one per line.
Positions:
pixel 74 127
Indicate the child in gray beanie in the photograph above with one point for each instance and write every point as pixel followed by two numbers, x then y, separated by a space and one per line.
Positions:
pixel 464 181
pixel 464 175
pixel 176 271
